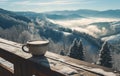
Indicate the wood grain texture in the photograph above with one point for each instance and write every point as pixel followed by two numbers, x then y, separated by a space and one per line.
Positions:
pixel 4 71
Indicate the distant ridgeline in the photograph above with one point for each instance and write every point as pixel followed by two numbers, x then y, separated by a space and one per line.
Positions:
pixel 8 19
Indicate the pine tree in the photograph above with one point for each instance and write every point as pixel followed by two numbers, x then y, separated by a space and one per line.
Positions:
pixel 76 50
pixel 80 53
pixel 105 58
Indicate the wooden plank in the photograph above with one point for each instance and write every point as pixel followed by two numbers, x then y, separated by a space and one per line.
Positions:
pixel 78 64
pixel 12 53
pixel 6 63
pixel 5 71
pixel 43 71
pixel 68 60
pixel 22 69
pixel 43 67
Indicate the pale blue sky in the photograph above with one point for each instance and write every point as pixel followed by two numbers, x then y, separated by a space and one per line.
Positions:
pixel 53 5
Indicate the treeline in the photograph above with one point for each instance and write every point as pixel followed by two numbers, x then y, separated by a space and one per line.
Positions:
pixel 104 56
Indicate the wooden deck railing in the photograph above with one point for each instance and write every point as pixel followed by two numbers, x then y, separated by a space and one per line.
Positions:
pixel 49 65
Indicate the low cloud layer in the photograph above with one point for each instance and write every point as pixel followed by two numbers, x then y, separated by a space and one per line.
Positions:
pixel 83 25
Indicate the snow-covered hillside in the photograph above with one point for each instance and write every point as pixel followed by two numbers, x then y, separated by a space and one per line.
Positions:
pixel 112 38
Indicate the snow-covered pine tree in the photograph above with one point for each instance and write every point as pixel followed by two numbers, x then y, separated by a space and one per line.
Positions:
pixel 105 58
pixel 76 50
pixel 80 53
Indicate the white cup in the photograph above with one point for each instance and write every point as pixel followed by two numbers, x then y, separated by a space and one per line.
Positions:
pixel 36 47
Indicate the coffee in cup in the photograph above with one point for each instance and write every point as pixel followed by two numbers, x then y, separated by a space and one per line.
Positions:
pixel 36 48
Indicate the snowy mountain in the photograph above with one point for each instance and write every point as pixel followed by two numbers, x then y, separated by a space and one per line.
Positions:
pixel 83 21
pixel 44 28
pixel 62 27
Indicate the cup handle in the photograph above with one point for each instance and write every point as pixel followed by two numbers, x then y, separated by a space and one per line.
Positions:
pixel 24 49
